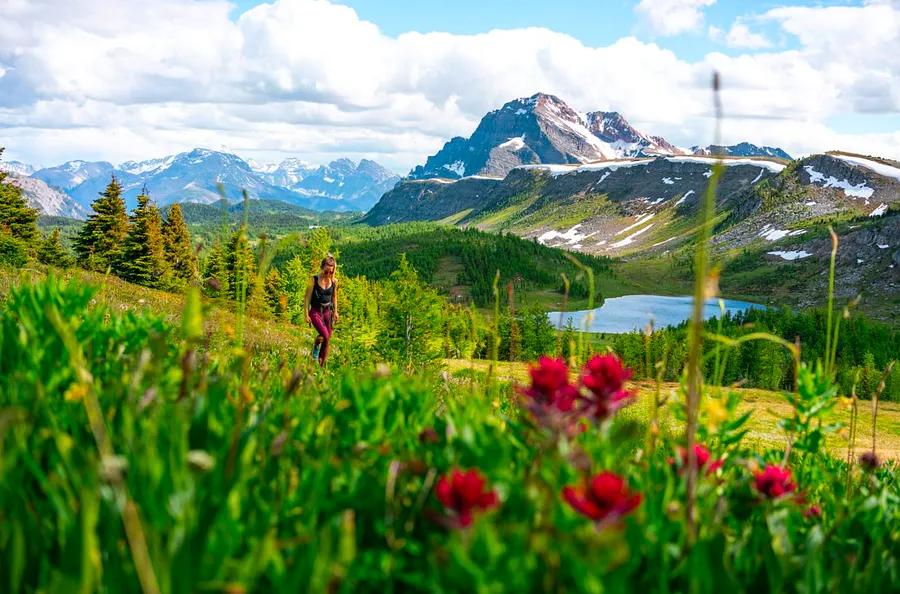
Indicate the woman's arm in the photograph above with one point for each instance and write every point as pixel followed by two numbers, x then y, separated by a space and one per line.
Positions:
pixel 307 303
pixel 334 298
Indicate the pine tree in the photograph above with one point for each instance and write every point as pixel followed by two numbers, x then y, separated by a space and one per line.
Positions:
pixel 143 258
pixel 275 297
pixel 215 271
pixel 16 217
pixel 413 314
pixel 179 253
pixel 99 243
pixel 52 252
pixel 240 265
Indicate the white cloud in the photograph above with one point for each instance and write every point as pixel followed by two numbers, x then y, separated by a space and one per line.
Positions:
pixel 739 36
pixel 129 79
pixel 671 17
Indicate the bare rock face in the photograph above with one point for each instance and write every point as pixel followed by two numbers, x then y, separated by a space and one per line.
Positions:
pixel 45 199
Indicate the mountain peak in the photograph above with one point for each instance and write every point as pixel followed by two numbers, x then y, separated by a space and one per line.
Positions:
pixel 741 149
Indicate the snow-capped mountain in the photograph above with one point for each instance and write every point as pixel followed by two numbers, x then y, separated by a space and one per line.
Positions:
pixel 543 129
pixel 742 149
pixel 147 167
pixel 360 185
pixel 612 128
pixel 357 186
pixel 287 174
pixel 73 173
pixel 198 175
pixel 16 167
pixel 45 199
pixel 538 129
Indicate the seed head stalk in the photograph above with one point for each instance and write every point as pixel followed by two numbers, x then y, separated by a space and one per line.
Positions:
pixel 695 343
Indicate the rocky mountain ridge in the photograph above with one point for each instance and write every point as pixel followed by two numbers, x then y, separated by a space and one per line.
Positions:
pixel 544 129
pixel 197 175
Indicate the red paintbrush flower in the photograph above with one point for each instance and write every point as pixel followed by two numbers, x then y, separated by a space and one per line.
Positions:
pixel 813 512
pixel 773 481
pixel 550 387
pixel 604 376
pixel 703 458
pixel 462 492
pixel 605 497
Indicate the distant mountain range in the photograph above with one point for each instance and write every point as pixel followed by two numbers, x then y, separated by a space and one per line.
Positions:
pixel 544 129
pixel 198 175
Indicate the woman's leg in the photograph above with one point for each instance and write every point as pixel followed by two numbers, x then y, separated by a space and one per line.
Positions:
pixel 328 322
pixel 318 321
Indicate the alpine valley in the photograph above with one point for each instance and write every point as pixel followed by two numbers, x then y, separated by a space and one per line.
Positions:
pixel 585 182
pixel 593 183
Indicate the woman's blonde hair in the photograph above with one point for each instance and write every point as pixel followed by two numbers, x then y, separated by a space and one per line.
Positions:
pixel 328 260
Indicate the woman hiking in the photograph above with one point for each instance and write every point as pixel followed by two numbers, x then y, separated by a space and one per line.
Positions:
pixel 321 307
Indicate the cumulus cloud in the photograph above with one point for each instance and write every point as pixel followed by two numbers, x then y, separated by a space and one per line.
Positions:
pixel 739 36
pixel 130 80
pixel 671 17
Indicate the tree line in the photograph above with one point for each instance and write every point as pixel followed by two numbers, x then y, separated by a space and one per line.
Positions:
pixel 865 348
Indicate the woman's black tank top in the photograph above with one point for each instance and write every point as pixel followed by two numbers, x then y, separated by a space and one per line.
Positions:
pixel 321 298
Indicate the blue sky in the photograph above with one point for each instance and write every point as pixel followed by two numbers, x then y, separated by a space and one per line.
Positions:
pixel 593 22
pixel 392 80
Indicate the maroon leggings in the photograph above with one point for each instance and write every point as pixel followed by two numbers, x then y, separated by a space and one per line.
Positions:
pixel 324 325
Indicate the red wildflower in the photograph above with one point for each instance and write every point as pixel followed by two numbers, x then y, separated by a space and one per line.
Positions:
pixel 606 496
pixel 812 512
pixel 773 481
pixel 605 377
pixel 703 458
pixel 462 492
pixel 550 385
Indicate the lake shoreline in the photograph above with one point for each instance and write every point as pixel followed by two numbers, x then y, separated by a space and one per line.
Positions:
pixel 629 313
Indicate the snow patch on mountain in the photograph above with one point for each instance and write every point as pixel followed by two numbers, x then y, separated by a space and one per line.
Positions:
pixel 515 143
pixel 879 168
pixel 571 237
pixel 791 255
pixel 630 239
pixel 860 190
pixel 683 198
pixel 879 211
pixel 457 167
pixel 641 220
pixel 770 165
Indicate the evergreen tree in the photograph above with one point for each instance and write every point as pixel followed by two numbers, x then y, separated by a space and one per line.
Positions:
pixel 215 271
pixel 179 253
pixel 413 314
pixel 52 252
pixel 99 243
pixel 240 266
pixel 143 258
pixel 275 297
pixel 16 217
